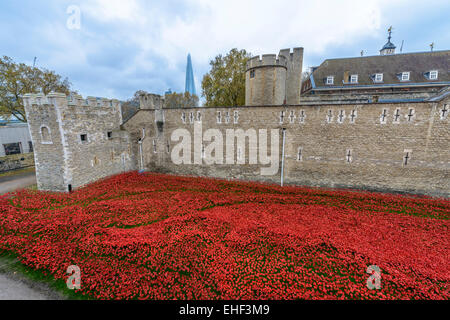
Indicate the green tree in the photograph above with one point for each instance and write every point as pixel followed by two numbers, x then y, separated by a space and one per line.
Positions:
pixel 17 79
pixel 131 106
pixel 224 85
pixel 180 100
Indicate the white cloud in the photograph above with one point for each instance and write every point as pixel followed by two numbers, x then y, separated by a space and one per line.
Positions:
pixel 142 44
pixel 114 10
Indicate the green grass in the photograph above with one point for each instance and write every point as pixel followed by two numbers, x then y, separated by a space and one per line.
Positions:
pixel 9 263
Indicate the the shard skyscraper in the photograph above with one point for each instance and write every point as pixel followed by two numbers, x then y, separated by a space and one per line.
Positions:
pixel 190 85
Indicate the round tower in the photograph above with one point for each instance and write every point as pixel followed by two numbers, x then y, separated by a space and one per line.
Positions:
pixel 265 80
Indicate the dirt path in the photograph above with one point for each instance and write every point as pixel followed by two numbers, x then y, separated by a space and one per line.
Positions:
pixel 11 183
pixel 13 285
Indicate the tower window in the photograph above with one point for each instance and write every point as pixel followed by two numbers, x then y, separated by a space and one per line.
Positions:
pixel 252 73
pixel 45 135
pixel 83 137
pixel 109 134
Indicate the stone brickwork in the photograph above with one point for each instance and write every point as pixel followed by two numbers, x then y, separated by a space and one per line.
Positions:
pixel 401 147
pixel 76 140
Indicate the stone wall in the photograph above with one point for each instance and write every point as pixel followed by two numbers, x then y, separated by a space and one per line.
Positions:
pixel 365 146
pixel 400 147
pixel 84 143
pixel 16 161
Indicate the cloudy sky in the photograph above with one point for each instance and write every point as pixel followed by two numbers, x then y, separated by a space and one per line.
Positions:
pixel 118 47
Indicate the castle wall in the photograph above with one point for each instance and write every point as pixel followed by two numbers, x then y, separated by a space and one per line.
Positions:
pixel 353 146
pixel 375 146
pixel 67 160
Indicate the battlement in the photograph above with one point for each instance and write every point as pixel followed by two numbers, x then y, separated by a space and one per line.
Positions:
pixel 267 60
pixel 291 54
pixel 151 101
pixel 40 99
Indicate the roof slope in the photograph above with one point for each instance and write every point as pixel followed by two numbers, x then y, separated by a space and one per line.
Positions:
pixel 390 65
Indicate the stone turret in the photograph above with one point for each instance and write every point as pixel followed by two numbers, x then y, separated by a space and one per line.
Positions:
pixel 151 101
pixel 265 80
pixel 274 80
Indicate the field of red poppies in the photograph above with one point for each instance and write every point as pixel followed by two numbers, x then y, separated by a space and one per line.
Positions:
pixel 154 236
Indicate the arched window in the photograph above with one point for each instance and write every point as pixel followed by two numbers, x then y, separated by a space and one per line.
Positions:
pixel 45 135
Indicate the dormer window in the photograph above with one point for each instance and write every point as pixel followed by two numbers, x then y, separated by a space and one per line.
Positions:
pixel 330 80
pixel 433 75
pixel 378 77
pixel 405 76
pixel 354 78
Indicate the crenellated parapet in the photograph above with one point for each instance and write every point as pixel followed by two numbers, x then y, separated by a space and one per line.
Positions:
pixel 40 99
pixel 267 60
pixel 151 101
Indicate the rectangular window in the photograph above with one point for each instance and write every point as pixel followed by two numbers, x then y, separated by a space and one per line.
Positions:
pixel 433 75
pixel 12 148
pixel 378 77
pixel 354 78
pixel 30 146
pixel 109 134
pixel 405 76
pixel 83 137
pixel 330 80
pixel 252 74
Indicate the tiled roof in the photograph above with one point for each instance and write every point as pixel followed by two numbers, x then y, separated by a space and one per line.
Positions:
pixel 391 66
